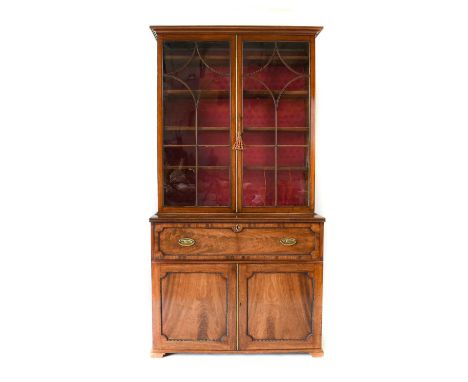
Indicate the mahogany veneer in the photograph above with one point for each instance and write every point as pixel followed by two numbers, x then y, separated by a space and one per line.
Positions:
pixel 236 248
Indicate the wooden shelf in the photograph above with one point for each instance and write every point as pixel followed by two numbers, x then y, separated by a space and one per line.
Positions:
pixel 272 128
pixel 289 58
pixel 183 93
pixel 172 146
pixel 272 168
pixel 254 145
pixel 194 167
pixel 192 128
pixel 266 93
pixel 226 93
pixel 254 129
pixel 208 57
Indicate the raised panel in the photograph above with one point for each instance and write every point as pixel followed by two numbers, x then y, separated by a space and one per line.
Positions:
pixel 194 306
pixel 280 306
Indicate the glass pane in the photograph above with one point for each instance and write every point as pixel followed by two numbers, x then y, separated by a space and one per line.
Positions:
pixel 259 156
pixel 213 137
pixel 179 137
pixel 258 188
pixel 276 123
pixel 179 156
pixel 292 156
pixel 258 137
pixel 213 187
pixel 293 137
pixel 214 156
pixel 179 187
pixel 214 112
pixel 292 188
pixel 196 116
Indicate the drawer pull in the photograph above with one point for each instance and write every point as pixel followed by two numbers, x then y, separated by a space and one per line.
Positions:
pixel 288 241
pixel 186 242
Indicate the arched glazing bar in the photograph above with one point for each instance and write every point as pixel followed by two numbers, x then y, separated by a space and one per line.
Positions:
pixel 185 75
pixel 275 75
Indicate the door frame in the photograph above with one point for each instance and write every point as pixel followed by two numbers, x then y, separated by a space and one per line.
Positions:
pixel 160 119
pixel 239 125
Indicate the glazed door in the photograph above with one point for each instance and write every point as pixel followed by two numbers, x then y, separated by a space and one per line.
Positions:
pixel 194 306
pixel 280 306
pixel 196 123
pixel 276 120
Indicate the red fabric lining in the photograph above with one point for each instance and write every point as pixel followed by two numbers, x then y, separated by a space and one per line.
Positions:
pixel 258 188
pixel 214 156
pixel 292 156
pixel 213 187
pixel 292 188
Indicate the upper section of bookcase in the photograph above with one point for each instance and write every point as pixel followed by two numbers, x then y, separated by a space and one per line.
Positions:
pixel 236 119
pixel 235 29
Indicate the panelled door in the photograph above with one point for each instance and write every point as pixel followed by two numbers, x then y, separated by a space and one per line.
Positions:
pixel 280 306
pixel 194 306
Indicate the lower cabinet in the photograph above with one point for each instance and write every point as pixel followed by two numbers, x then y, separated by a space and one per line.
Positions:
pixel 237 307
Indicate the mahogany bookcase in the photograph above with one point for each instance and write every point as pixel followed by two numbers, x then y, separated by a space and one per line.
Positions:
pixel 237 249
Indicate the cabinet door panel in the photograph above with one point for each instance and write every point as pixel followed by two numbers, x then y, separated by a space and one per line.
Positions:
pixel 280 306
pixel 194 307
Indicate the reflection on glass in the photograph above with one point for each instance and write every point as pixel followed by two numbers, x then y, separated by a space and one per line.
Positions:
pixel 179 156
pixel 179 187
pixel 179 137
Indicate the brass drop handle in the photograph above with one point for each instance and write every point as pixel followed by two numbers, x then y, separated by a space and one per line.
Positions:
pixel 186 242
pixel 288 241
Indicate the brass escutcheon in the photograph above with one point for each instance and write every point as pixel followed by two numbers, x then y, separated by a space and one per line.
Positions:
pixel 237 228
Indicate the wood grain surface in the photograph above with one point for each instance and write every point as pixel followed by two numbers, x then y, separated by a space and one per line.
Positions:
pixel 237 241
pixel 194 306
pixel 280 306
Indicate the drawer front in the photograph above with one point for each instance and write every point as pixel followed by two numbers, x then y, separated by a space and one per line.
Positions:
pixel 237 242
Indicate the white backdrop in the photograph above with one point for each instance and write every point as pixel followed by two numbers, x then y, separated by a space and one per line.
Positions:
pixel 78 184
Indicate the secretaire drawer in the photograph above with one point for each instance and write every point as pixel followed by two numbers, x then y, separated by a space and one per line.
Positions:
pixel 237 241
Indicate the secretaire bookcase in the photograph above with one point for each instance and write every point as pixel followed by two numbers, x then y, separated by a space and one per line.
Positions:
pixel 236 245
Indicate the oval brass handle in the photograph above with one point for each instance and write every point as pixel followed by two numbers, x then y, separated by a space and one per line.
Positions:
pixel 288 241
pixel 186 242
